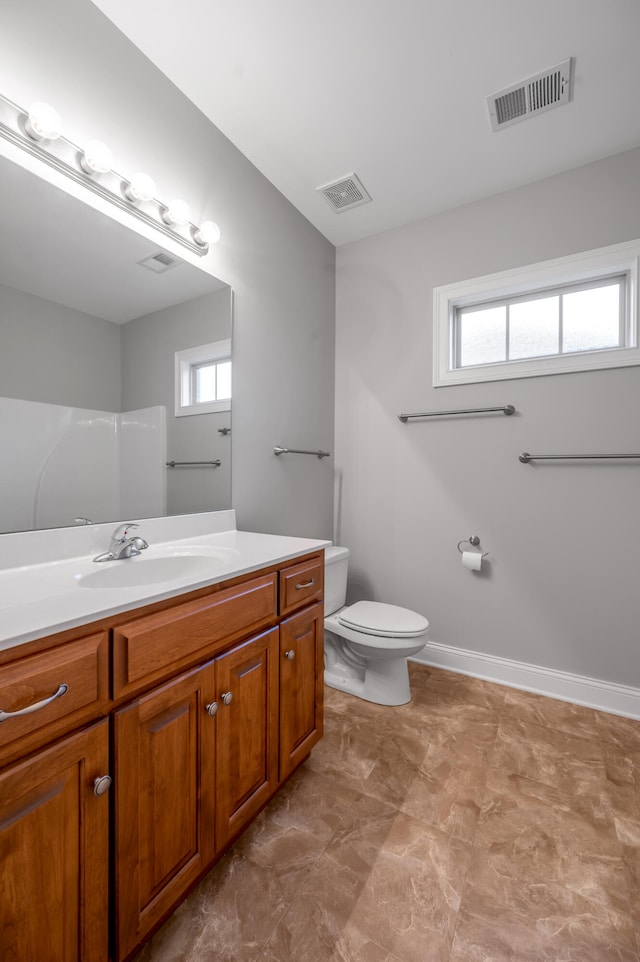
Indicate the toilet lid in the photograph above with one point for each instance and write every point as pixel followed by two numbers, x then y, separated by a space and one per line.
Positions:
pixel 376 618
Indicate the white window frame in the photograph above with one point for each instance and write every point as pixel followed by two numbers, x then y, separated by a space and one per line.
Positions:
pixel 575 269
pixel 184 363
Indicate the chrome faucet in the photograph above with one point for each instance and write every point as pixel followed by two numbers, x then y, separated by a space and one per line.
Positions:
pixel 123 546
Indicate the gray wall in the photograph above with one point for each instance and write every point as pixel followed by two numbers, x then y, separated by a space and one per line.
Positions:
pixel 561 590
pixel 54 354
pixel 281 268
pixel 149 345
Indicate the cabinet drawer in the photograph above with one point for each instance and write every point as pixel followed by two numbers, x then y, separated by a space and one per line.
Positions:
pixel 37 683
pixel 300 584
pixel 156 646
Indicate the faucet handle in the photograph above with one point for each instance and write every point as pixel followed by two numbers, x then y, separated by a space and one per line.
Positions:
pixel 121 532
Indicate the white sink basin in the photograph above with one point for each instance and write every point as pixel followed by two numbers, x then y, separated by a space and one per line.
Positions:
pixel 144 570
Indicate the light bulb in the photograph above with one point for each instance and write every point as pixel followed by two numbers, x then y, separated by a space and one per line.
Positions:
pixel 176 213
pixel 43 122
pixel 141 188
pixel 96 158
pixel 207 233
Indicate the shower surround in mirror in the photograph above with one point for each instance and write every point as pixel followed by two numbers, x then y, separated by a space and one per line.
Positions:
pixel 60 464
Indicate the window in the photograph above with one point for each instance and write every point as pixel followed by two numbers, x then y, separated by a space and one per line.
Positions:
pixel 209 381
pixel 203 379
pixel 571 314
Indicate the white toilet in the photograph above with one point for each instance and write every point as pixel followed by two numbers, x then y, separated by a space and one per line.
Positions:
pixel 366 645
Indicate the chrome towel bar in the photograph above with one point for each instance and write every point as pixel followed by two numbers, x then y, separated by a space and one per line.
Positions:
pixel 525 457
pixel 504 409
pixel 318 454
pixel 179 464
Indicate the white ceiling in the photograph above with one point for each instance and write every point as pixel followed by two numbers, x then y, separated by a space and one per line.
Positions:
pixel 394 90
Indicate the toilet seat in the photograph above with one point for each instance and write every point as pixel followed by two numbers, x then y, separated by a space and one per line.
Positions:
pixel 376 618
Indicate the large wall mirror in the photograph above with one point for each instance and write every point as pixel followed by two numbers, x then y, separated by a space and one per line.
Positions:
pixel 92 316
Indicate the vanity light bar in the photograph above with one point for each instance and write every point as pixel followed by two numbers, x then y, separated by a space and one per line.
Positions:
pixel 39 132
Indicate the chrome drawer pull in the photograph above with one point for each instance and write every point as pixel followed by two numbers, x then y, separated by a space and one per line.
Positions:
pixel 227 697
pixel 36 707
pixel 307 584
pixel 212 709
pixel 101 785
pixel 290 655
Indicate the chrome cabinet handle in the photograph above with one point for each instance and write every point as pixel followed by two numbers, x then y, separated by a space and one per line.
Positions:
pixel 227 697
pixel 36 706
pixel 101 785
pixel 212 709
pixel 290 654
pixel 306 584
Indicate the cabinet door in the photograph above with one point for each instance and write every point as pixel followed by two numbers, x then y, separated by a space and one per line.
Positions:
pixel 301 686
pixel 164 813
pixel 247 733
pixel 54 855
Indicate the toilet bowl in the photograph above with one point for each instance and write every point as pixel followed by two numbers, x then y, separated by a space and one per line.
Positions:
pixel 367 644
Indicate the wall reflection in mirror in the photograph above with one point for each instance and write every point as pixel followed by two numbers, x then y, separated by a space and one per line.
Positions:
pixel 92 316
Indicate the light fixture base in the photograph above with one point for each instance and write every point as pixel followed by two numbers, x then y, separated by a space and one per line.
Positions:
pixel 65 157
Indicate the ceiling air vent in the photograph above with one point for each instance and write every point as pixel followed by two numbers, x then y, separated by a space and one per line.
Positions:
pixel 546 90
pixel 345 193
pixel 159 262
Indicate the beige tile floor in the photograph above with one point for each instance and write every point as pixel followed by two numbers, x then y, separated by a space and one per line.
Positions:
pixel 476 824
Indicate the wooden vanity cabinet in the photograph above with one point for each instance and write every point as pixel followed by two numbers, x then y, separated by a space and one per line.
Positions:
pixel 216 698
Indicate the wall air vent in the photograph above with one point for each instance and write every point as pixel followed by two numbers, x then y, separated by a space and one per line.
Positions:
pixel 546 90
pixel 345 193
pixel 159 262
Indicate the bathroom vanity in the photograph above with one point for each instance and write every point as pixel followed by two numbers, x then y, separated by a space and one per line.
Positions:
pixel 156 728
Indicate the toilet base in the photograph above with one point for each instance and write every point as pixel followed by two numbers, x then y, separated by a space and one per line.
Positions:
pixel 373 686
pixel 383 681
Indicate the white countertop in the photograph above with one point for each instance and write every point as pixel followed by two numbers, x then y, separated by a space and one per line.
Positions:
pixel 50 596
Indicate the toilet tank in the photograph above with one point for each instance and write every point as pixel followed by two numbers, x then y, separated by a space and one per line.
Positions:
pixel 336 566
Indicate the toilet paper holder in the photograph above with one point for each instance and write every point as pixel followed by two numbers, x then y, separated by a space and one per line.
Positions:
pixel 473 540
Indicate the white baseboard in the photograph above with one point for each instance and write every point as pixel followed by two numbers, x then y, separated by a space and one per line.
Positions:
pixel 590 692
